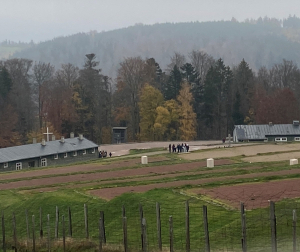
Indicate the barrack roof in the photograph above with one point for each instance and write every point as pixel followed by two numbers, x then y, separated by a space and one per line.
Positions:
pixel 50 148
pixel 260 132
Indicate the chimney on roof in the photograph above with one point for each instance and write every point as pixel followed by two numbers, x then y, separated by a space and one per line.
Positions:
pixel 80 137
pixel 62 139
pixel 34 140
pixel 72 135
pixel 270 124
pixel 296 123
pixel 43 143
pixel 53 138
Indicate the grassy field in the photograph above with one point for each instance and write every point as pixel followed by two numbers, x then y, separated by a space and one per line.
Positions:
pixel 224 224
pixel 141 151
pixel 224 221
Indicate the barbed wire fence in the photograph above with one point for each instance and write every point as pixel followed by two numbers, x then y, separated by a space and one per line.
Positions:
pixel 256 224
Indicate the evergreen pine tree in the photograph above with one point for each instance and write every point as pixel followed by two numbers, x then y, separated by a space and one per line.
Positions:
pixel 5 82
pixel 237 116
pixel 173 85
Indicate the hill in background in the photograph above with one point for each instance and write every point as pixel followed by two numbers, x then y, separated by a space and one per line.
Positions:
pixel 262 42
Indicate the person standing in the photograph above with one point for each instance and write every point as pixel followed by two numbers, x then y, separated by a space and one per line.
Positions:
pixel 170 148
pixel 174 148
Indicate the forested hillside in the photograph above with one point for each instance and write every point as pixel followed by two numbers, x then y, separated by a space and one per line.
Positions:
pixel 194 95
pixel 261 42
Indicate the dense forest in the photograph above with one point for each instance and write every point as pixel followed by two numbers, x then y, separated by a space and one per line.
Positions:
pixel 261 42
pixel 183 94
pixel 197 97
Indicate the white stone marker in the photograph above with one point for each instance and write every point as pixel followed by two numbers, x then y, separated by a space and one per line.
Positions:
pixel 293 161
pixel 144 160
pixel 210 162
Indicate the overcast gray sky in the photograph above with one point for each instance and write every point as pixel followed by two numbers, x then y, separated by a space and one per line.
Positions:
pixel 39 20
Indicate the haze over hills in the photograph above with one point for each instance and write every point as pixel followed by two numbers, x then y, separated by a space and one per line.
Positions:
pixel 262 42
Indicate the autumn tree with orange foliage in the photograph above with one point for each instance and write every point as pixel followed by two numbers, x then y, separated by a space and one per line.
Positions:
pixel 39 134
pixel 167 121
pixel 150 99
pixel 187 119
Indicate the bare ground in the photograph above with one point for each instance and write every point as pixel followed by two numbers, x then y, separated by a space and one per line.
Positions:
pixel 255 195
pixel 76 168
pixel 165 169
pixel 110 193
pixel 249 150
pixel 273 158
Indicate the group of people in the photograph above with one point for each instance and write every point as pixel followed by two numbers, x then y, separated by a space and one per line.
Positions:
pixel 180 148
pixel 103 154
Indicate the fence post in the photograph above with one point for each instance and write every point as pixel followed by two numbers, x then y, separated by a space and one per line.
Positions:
pixel 141 221
pixel 205 223
pixel 64 233
pixel 187 226
pixel 171 234
pixel 27 226
pixel 33 234
pixel 144 235
pixel 125 234
pixel 3 233
pixel 100 234
pixel 86 223
pixel 244 234
pixel 158 224
pixel 56 221
pixel 294 231
pixel 123 211
pixel 103 227
pixel 15 231
pixel 273 226
pixel 41 224
pixel 70 222
pixel 48 225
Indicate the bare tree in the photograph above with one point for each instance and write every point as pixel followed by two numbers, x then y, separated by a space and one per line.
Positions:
pixel 178 60
pixel 263 79
pixel 41 72
pixel 201 61
pixel 67 75
pixel 130 81
pixel 285 75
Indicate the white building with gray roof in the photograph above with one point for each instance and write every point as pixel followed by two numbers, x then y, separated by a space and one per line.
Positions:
pixel 267 132
pixel 51 153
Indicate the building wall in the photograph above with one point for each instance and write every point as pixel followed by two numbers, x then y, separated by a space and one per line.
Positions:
pixel 289 138
pixel 119 136
pixel 51 161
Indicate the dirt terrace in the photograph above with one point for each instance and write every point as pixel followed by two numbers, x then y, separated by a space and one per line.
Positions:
pixel 110 193
pixel 255 195
pixel 76 169
pixel 165 169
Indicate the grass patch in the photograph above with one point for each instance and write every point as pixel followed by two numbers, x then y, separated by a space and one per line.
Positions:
pixel 142 151
pixel 224 224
